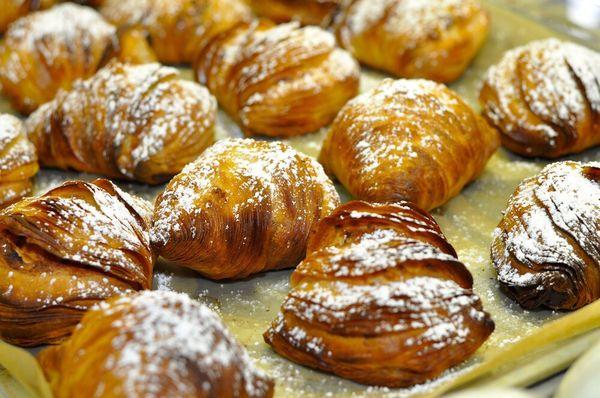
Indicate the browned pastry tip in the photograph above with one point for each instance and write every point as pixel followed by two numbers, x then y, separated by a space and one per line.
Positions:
pixel 133 122
pixel 544 98
pixel 280 80
pixel 380 298
pixel 15 9
pixel 64 251
pixel 242 207
pixel 546 249
pixel 307 12
pixel 431 39
pixel 18 161
pixel 412 140
pixel 153 344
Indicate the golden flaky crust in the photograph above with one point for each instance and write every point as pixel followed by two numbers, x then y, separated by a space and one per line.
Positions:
pixel 177 29
pixel 278 80
pixel 544 98
pixel 134 122
pixel 432 39
pixel 410 140
pixel 48 50
pixel 380 299
pixel 307 12
pixel 546 249
pixel 14 9
pixel 152 344
pixel 243 207
pixel 18 161
pixel 62 252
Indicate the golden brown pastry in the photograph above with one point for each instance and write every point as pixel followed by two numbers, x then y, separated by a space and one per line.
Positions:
pixel 14 9
pixel 278 80
pixel 410 140
pixel 134 122
pixel 307 12
pixel 380 299
pixel 544 98
pixel 48 50
pixel 63 252
pixel 153 344
pixel 177 29
pixel 546 249
pixel 243 207
pixel 18 161
pixel 431 39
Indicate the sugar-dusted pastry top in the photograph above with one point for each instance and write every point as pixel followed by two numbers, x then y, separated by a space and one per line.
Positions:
pixel 134 122
pixel 544 97
pixel 432 39
pixel 410 140
pixel 546 249
pixel 153 344
pixel 62 252
pixel 380 298
pixel 307 12
pixel 15 9
pixel 279 80
pixel 242 207
pixel 18 160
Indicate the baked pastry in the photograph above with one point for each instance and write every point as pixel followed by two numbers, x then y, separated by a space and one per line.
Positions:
pixel 14 9
pixel 18 161
pixel 48 50
pixel 177 29
pixel 307 12
pixel 153 344
pixel 431 39
pixel 381 299
pixel 278 80
pixel 412 140
pixel 63 252
pixel 242 207
pixel 544 98
pixel 546 249
pixel 133 122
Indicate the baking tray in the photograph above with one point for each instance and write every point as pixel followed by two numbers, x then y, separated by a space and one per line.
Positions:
pixel 526 346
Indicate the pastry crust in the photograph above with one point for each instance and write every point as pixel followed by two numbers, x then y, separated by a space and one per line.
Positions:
pixel 63 252
pixel 278 80
pixel 307 12
pixel 544 98
pixel 152 344
pixel 14 9
pixel 18 161
pixel 243 207
pixel 380 299
pixel 133 122
pixel 546 249
pixel 431 39
pixel 177 29
pixel 48 50
pixel 410 140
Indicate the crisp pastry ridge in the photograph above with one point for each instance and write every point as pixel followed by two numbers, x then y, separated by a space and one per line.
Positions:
pixel 546 248
pixel 133 122
pixel 544 97
pixel 242 207
pixel 410 140
pixel 18 161
pixel 380 298
pixel 62 252
pixel 307 12
pixel 282 80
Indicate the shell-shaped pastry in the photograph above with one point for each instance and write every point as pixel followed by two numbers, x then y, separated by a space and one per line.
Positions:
pixel 278 80
pixel 412 140
pixel 544 98
pixel 14 9
pixel 307 12
pixel 18 161
pixel 48 50
pixel 243 207
pixel 177 29
pixel 431 39
pixel 546 249
pixel 134 122
pixel 64 251
pixel 153 344
pixel 380 299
